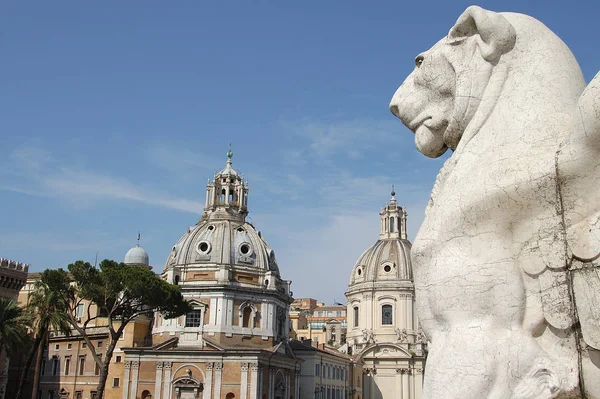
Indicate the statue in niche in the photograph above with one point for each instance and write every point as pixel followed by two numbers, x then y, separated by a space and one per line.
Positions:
pixel 506 261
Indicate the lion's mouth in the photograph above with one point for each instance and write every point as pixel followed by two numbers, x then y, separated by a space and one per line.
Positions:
pixel 418 121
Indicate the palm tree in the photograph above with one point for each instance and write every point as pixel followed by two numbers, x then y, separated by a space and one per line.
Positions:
pixel 47 311
pixel 13 334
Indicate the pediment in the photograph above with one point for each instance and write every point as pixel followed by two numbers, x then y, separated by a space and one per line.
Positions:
pixel 381 351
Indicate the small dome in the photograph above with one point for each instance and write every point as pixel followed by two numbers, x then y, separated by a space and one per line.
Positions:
pixel 387 260
pixel 137 256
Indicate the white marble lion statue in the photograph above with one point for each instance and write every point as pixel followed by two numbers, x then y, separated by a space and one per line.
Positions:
pixel 506 262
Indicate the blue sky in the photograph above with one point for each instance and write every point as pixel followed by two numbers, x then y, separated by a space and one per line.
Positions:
pixel 113 115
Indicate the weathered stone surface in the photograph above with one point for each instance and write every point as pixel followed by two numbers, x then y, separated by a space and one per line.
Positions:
pixel 505 263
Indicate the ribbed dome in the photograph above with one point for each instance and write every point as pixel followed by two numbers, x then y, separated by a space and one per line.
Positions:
pixel 137 256
pixel 387 260
pixel 222 242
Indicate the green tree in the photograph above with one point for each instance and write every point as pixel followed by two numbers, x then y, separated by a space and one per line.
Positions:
pixel 13 334
pixel 121 293
pixel 47 311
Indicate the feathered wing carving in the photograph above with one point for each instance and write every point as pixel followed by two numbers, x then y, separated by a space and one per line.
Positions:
pixel 578 172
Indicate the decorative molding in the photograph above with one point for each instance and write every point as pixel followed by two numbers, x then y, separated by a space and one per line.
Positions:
pixel 159 365
pixel 167 365
pixel 209 366
pixel 127 365
pixel 218 366
pixel 254 366
pixel 135 365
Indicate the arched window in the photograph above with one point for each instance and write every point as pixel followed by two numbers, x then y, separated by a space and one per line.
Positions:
pixel 356 316
pixel 222 196
pixel 391 224
pixel 230 395
pixel 176 282
pixel 386 315
pixel 247 317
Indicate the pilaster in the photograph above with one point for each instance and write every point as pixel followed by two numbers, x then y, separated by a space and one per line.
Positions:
pixel 218 367
pixel 167 383
pixel 208 382
pixel 244 380
pixel 158 380
pixel 134 379
pixel 126 371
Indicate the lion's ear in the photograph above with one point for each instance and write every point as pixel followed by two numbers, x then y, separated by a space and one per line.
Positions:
pixel 495 35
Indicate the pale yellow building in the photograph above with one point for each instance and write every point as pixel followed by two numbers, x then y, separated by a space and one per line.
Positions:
pixel 383 331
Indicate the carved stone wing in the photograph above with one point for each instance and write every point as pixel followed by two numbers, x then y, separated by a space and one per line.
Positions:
pixel 578 169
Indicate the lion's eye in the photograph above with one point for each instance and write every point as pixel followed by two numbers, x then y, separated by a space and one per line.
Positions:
pixel 419 61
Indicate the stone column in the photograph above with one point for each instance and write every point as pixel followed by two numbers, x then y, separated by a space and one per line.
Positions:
pixel 244 380
pixel 405 384
pixel 399 382
pixel 167 383
pixel 158 380
pixel 208 382
pixel 218 370
pixel 287 383
pixel 297 383
pixel 271 393
pixel 134 378
pixel 418 383
pixel 126 368
pixel 253 380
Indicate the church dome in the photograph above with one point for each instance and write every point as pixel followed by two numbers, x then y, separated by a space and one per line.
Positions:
pixel 137 256
pixel 223 237
pixel 389 258
pixel 229 242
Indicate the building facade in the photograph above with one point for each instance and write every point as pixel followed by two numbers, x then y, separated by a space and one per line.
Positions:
pixel 13 276
pixel 383 333
pixel 234 343
pixel 325 373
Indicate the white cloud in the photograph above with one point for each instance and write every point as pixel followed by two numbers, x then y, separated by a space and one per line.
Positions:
pixel 348 137
pixel 81 186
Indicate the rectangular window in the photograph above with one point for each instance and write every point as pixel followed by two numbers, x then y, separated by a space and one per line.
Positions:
pixel 118 359
pixel 192 319
pixel 43 367
pixel 79 311
pixel 54 366
pixel 81 364
pixel 93 395
pixel 68 346
pixel 56 347
pixel 317 370
pixel 356 316
pixel 100 344
pixel 67 364
pixel 50 394
pixel 83 345
pixel 96 369
pixel 116 382
pixel 386 315
pixel 78 395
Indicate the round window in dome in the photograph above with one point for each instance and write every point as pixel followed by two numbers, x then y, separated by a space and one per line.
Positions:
pixel 245 249
pixel 387 268
pixel 240 230
pixel 211 227
pixel 204 247
pixel 359 271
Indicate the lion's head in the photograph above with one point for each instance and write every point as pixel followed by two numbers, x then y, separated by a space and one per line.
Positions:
pixel 439 98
